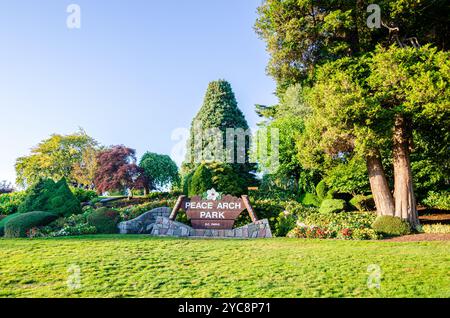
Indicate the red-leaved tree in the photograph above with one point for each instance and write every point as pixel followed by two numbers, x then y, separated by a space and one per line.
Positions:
pixel 117 170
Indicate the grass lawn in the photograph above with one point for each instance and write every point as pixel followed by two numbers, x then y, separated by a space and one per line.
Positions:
pixel 141 266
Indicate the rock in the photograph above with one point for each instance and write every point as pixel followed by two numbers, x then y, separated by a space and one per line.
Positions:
pixel 144 223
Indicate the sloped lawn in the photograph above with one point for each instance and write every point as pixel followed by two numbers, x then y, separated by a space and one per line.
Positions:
pixel 140 266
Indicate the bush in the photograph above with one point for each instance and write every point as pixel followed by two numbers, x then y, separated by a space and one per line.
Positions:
pixel 285 223
pixel 4 220
pixel 84 195
pixel 362 203
pixel 201 181
pixel 391 226
pixel 10 202
pixel 310 200
pixel 322 191
pixel 46 195
pixel 21 224
pixel 332 206
pixel 104 220
pixel 438 200
pixel 264 209
pixel 344 225
pixel 436 228
pixel 133 211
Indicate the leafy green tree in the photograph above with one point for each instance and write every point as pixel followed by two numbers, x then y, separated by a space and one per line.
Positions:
pixel 301 34
pixel 53 158
pixel 378 101
pixel 161 169
pixel 84 170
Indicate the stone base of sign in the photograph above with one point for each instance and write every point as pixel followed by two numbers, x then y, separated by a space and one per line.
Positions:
pixel 144 223
pixel 165 227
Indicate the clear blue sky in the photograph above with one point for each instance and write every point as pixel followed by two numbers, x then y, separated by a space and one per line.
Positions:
pixel 134 72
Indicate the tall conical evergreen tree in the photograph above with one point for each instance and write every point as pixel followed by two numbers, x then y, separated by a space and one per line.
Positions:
pixel 218 113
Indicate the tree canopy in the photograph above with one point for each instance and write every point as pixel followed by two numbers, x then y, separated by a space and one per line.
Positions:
pixel 160 169
pixel 54 158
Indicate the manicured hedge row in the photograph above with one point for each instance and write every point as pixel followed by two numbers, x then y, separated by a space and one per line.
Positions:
pixel 20 224
pixel 4 220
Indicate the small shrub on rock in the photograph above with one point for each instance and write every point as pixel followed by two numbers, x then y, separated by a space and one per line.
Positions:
pixel 104 220
pixel 391 226
pixel 21 224
pixel 332 206
pixel 362 202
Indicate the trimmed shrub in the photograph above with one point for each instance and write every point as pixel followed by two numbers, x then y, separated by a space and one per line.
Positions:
pixel 46 195
pixel 201 181
pixel 322 190
pixel 310 200
pixel 105 220
pixel 362 203
pixel 10 202
pixel 21 224
pixel 391 226
pixel 332 206
pixel 4 220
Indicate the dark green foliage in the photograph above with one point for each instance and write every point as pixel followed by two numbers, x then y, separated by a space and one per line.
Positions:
pixel 4 220
pixel 332 206
pixel 46 195
pixel 218 113
pixel 201 180
pixel 19 225
pixel 309 200
pixel 187 178
pixel 362 203
pixel 105 220
pixel 84 195
pixel 391 226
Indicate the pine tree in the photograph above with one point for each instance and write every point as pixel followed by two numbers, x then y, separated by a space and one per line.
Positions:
pixel 208 136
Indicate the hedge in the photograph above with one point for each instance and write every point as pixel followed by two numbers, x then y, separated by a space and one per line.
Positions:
pixel 4 220
pixel 332 206
pixel 19 225
pixel 391 226
pixel 105 220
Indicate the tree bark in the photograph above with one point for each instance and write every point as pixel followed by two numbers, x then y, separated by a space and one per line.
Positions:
pixel 382 196
pixel 405 203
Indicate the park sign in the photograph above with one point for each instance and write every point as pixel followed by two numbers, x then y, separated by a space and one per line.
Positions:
pixel 212 210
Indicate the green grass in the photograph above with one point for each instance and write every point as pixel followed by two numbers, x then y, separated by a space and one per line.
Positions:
pixel 141 266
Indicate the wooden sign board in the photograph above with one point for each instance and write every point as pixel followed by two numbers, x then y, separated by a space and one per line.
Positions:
pixel 215 212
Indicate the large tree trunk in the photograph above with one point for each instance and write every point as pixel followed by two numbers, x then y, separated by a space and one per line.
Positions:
pixel 382 196
pixel 405 203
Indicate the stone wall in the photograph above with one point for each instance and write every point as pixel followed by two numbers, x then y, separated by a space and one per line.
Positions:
pixel 144 223
pixel 166 227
